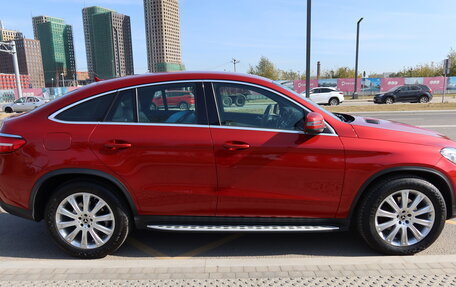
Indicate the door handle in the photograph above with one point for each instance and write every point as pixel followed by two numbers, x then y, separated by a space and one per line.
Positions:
pixel 117 145
pixel 236 145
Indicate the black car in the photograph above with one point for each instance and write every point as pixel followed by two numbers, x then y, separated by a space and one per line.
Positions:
pixel 405 93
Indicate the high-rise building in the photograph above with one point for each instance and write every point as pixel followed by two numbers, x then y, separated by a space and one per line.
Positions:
pixel 29 60
pixel 108 43
pixel 57 49
pixel 163 35
pixel 9 35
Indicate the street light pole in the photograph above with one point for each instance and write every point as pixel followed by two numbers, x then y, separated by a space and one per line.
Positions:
pixel 309 17
pixel 10 48
pixel 63 80
pixel 355 96
pixel 235 61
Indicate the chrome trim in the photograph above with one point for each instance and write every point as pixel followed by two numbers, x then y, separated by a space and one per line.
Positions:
pixel 271 130
pixel 244 228
pixel 10 136
pixel 53 115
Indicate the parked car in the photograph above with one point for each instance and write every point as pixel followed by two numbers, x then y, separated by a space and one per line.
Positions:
pixel 181 99
pixel 326 96
pixel 23 104
pixel 405 93
pixel 98 162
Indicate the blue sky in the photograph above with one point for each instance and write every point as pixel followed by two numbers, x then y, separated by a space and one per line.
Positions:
pixel 394 34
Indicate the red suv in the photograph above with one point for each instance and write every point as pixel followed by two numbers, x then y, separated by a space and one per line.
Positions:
pixel 179 98
pixel 99 162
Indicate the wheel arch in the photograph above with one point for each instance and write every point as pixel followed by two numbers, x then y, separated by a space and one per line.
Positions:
pixel 433 176
pixel 46 185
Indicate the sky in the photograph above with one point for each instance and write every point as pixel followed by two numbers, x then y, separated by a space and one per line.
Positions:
pixel 393 35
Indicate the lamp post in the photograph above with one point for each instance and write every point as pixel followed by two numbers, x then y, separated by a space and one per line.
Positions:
pixel 52 81
pixel 355 96
pixel 309 10
pixel 63 80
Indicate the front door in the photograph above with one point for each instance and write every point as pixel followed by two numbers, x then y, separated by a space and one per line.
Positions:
pixel 266 165
pixel 163 153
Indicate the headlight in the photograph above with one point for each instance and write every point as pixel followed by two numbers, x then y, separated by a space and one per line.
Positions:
pixel 449 153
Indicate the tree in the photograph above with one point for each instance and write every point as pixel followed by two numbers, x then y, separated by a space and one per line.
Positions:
pixel 265 68
pixel 452 57
pixel 342 72
pixel 290 75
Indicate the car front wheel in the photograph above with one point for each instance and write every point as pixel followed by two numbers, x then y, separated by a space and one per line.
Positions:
pixel 402 216
pixel 8 110
pixel 86 220
pixel 389 100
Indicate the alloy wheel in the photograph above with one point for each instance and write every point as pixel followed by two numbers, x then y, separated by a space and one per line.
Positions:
pixel 404 218
pixel 84 220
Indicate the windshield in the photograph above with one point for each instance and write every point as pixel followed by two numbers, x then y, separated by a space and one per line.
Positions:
pixel 303 96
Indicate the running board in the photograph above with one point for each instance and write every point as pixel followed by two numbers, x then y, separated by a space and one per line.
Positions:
pixel 245 228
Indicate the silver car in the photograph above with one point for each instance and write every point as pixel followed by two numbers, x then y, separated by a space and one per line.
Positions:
pixel 23 104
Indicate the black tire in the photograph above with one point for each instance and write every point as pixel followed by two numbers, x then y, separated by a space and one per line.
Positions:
pixel 240 101
pixel 389 100
pixel 184 106
pixel 119 211
pixel 227 101
pixel 8 110
pixel 366 216
pixel 333 101
pixel 423 99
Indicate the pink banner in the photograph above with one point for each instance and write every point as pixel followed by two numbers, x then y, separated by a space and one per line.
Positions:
pixel 300 85
pixel 435 83
pixel 389 83
pixel 32 92
pixel 348 85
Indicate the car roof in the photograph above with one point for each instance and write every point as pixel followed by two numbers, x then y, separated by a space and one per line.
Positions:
pixel 332 88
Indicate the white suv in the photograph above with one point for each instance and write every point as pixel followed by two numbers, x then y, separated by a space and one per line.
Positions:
pixel 326 96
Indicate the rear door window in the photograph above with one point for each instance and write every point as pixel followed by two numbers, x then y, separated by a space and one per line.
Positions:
pixel 124 107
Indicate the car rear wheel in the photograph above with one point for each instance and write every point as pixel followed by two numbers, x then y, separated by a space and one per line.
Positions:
pixel 227 101
pixel 184 106
pixel 8 110
pixel 424 99
pixel 333 101
pixel 86 220
pixel 402 215
pixel 389 100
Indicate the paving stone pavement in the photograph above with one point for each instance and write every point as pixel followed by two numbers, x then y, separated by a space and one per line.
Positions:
pixel 324 271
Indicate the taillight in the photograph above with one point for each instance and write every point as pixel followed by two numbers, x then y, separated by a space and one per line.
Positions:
pixel 10 144
pixel 430 91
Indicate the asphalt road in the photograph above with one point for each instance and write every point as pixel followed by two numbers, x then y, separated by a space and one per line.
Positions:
pixel 25 240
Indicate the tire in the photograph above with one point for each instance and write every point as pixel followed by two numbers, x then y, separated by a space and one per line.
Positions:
pixel 423 99
pixel 389 100
pixel 8 110
pixel 240 101
pixel 333 101
pixel 390 240
pixel 227 101
pixel 112 230
pixel 184 106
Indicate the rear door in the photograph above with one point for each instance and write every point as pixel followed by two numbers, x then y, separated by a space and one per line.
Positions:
pixel 317 96
pixel 163 153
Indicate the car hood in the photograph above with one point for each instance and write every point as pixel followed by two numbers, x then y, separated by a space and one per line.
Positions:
pixel 371 128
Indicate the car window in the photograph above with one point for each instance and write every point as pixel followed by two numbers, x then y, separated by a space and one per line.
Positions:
pixel 89 111
pixel 19 101
pixel 123 108
pixel 326 90
pixel 415 88
pixel 246 106
pixel 172 104
pixel 316 91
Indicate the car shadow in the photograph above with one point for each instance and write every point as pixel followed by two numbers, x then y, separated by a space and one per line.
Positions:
pixel 21 238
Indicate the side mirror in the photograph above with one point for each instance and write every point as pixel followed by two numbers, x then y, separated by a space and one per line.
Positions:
pixel 314 123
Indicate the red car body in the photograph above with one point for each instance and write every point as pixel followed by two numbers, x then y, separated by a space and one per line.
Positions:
pixel 176 99
pixel 177 170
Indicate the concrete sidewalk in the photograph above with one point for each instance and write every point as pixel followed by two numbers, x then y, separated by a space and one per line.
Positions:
pixel 232 271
